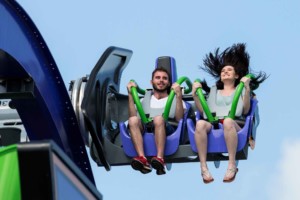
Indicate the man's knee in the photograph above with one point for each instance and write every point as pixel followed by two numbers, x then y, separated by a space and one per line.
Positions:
pixel 133 121
pixel 158 121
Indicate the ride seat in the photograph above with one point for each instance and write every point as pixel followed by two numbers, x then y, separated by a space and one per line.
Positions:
pixel 216 141
pixel 172 140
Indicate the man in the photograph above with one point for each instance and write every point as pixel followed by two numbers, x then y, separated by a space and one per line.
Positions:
pixel 157 101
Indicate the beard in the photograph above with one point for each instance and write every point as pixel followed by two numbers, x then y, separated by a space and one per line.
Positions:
pixel 160 90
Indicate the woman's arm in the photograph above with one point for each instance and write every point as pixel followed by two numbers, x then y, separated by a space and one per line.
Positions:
pixel 246 96
pixel 197 85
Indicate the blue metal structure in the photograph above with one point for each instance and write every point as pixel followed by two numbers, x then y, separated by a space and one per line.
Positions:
pixel 98 103
pixel 29 76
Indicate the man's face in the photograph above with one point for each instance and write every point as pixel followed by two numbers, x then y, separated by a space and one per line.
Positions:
pixel 160 81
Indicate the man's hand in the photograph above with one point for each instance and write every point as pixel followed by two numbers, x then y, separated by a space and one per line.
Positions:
pixel 129 85
pixel 177 89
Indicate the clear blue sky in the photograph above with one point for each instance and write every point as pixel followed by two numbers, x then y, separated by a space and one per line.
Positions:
pixel 78 32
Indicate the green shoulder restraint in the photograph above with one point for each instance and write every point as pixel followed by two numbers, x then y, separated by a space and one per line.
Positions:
pixel 236 97
pixel 135 90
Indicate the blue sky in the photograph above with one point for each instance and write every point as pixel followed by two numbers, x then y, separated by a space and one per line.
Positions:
pixel 78 32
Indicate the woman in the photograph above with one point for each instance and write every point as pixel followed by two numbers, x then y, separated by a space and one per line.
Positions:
pixel 229 68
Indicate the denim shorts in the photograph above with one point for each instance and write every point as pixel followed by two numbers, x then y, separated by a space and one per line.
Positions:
pixel 169 128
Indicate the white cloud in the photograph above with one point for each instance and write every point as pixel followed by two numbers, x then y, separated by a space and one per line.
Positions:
pixel 286 179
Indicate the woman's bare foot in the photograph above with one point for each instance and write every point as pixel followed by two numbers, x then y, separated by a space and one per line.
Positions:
pixel 251 143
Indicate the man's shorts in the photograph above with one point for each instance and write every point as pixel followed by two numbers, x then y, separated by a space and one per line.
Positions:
pixel 169 128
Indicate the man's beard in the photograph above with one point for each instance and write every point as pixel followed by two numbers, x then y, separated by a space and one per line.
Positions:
pixel 160 90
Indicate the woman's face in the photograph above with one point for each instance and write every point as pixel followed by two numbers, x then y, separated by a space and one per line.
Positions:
pixel 228 73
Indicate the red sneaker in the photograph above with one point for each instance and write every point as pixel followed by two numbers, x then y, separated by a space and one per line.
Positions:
pixel 141 164
pixel 158 164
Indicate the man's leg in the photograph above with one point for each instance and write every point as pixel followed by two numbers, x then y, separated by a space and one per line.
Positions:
pixel 135 128
pixel 160 140
pixel 160 135
pixel 140 162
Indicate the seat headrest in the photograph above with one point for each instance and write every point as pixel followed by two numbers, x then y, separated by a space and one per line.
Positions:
pixel 169 64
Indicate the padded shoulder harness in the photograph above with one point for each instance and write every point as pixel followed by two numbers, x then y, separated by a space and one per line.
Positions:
pixel 152 112
pixel 222 110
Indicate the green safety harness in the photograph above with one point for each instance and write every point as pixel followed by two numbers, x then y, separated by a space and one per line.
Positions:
pixel 238 92
pixel 136 99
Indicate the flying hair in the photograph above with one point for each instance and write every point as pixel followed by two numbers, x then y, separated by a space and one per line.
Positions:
pixel 235 56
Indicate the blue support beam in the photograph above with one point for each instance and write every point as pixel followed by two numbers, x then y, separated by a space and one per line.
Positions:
pixel 31 78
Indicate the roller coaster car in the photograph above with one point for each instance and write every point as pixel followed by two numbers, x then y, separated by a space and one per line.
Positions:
pixel 104 110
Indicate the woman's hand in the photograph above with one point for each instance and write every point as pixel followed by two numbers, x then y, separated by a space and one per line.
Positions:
pixel 246 82
pixel 196 85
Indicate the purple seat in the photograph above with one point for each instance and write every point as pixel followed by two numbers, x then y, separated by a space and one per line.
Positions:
pixel 216 140
pixel 172 142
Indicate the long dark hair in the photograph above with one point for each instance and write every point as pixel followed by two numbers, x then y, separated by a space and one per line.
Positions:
pixel 235 56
